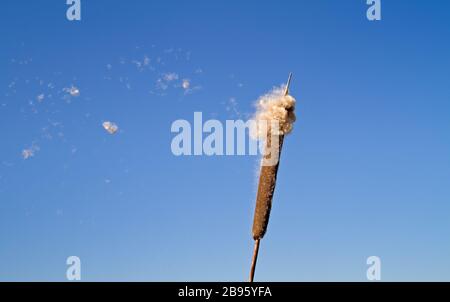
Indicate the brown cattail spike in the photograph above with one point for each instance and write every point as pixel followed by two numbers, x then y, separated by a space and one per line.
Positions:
pixel 267 182
pixel 266 188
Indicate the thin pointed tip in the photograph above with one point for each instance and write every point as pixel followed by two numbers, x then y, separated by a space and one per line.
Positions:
pixel 286 92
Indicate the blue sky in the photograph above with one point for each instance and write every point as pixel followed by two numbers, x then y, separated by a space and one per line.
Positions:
pixel 365 171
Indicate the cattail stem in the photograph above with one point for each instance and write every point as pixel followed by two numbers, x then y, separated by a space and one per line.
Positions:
pixel 254 259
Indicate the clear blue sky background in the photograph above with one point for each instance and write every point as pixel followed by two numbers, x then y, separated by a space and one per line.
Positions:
pixel 366 171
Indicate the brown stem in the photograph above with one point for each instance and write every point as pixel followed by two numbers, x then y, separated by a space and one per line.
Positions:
pixel 254 259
